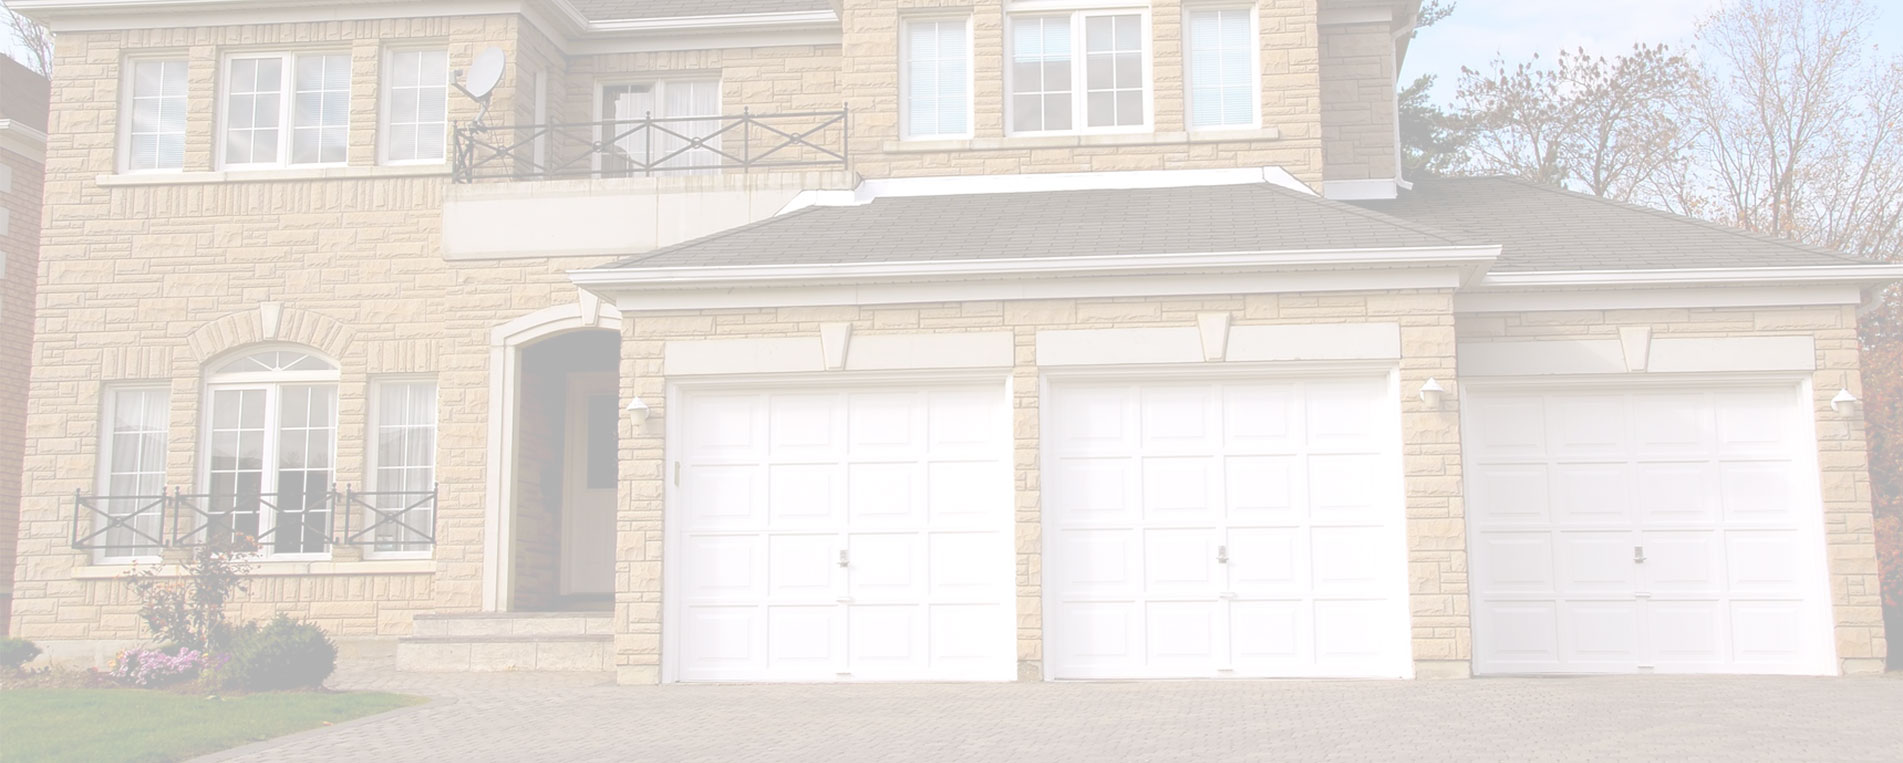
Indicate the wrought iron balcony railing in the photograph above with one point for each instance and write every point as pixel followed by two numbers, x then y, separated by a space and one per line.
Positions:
pixel 284 522
pixel 650 146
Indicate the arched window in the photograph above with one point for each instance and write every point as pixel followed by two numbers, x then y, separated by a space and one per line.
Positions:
pixel 270 457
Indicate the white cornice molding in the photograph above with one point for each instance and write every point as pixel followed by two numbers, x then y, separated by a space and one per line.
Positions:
pixel 964 185
pixel 23 140
pixel 725 21
pixel 1865 274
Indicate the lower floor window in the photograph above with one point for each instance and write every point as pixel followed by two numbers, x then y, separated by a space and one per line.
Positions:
pixel 270 466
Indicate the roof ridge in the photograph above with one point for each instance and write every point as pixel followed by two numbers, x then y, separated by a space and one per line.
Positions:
pixel 709 238
pixel 1675 217
pixel 1427 230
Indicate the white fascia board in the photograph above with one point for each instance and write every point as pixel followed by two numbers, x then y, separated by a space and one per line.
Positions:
pixel 967 185
pixel 1652 298
pixel 108 15
pixel 1872 273
pixel 725 21
pixel 1033 267
pixel 23 140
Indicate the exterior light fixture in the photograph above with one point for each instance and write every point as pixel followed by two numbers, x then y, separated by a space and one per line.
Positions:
pixel 1844 402
pixel 638 412
pixel 1432 393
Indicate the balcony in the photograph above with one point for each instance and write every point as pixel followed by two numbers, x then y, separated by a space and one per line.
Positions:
pixel 632 186
pixel 281 523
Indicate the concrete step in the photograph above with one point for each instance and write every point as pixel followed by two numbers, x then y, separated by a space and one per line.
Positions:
pixel 479 654
pixel 514 624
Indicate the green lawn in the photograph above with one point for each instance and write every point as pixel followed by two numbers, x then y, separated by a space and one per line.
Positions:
pixel 132 725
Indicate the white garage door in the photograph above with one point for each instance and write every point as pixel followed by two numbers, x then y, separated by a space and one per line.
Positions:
pixel 861 534
pixel 1236 528
pixel 1630 530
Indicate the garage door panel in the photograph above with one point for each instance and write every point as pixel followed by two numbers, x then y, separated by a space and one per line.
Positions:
pixel 1093 491
pixel 968 636
pixel 804 496
pixel 963 565
pixel 724 568
pixel 1338 418
pixel 1178 419
pixel 1514 562
pixel 1262 418
pixel 1600 635
pixel 1667 425
pixel 1098 563
pixel 1597 562
pixel 716 640
pixel 1690 562
pixel 883 495
pixel 883 425
pixel 802 638
pixel 1263 489
pixel 1764 562
pixel 1346 488
pixel 728 427
pixel 799 567
pixel 726 497
pixel 803 427
pixel 1686 633
pixel 1673 493
pixel 1759 492
pixel 1768 633
pixel 1587 427
pixel 1271 636
pixel 1510 494
pixel 962 422
pixel 1350 561
pixel 1100 636
pixel 1520 636
pixel 886 567
pixel 1592 494
pixel 886 639
pixel 1754 424
pixel 1181 636
pixel 1097 420
pixel 965 494
pixel 1508 427
pixel 1350 633
pixel 1179 562
pixel 1268 561
pixel 1180 490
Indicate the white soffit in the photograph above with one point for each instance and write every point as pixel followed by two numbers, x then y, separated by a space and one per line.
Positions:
pixel 1147 346
pixel 1664 355
pixel 821 353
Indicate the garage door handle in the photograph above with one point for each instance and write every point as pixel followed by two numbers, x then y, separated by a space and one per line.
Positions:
pixel 1222 554
pixel 842 559
pixel 1638 554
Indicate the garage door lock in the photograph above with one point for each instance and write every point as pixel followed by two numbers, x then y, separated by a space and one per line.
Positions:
pixel 1638 554
pixel 1222 554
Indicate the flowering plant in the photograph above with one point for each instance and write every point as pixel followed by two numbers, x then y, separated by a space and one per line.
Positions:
pixel 153 667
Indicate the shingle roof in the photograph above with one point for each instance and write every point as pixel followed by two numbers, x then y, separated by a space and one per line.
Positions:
pixel 621 10
pixel 1549 229
pixel 1200 219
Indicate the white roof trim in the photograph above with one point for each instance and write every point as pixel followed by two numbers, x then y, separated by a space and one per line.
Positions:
pixel 1022 267
pixel 1872 273
pixel 726 21
pixel 23 140
pixel 972 185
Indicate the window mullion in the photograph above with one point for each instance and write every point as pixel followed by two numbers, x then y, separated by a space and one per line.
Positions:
pixel 287 107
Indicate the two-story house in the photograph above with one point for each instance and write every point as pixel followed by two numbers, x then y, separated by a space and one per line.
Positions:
pixel 905 340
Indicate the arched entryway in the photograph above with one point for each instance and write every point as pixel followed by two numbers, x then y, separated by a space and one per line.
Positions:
pixel 549 526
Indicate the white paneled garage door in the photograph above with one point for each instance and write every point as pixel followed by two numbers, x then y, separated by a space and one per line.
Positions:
pixel 1223 528
pixel 857 534
pixel 1627 530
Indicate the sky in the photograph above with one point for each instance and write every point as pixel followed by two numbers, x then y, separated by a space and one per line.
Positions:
pixel 1516 29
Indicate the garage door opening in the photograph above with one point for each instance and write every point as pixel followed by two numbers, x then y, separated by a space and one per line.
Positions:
pixel 1224 528
pixel 820 532
pixel 1623 529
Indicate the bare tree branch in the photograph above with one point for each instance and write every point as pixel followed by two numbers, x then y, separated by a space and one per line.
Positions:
pixel 34 40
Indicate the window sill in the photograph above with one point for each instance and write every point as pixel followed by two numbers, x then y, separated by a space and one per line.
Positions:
pixel 1013 143
pixel 253 176
pixel 277 568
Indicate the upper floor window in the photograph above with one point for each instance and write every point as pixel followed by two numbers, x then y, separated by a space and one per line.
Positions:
pixel 415 106
pixel 1051 91
pixel 680 109
pixel 286 109
pixel 937 72
pixel 155 133
pixel 1221 49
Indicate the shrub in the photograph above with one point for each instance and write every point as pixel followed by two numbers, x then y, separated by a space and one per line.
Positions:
pixel 190 611
pixel 156 667
pixel 284 654
pixel 15 652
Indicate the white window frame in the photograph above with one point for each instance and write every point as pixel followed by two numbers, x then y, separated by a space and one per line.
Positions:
pixel 373 464
pixel 287 109
pixel 905 77
pixel 102 479
pixel 1255 66
pixel 272 384
pixel 128 88
pixel 658 87
pixel 1079 75
pixel 386 65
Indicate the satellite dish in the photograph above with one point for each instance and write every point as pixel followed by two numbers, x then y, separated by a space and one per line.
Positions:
pixel 484 73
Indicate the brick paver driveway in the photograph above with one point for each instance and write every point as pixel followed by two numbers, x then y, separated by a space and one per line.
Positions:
pixel 516 717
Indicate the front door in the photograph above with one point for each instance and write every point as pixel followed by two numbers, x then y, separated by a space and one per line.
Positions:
pixel 589 458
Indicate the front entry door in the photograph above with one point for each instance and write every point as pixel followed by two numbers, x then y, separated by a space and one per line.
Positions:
pixel 589 457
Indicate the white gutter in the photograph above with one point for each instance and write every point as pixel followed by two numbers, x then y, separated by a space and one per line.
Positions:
pixel 1472 257
pixel 1872 273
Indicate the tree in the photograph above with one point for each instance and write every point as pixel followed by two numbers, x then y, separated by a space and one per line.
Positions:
pixel 1610 127
pixel 1433 142
pixel 35 42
